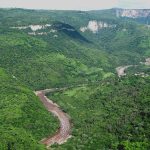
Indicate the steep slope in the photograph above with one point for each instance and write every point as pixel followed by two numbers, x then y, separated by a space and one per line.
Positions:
pixel 63 50
pixel 41 49
pixel 44 61
pixel 139 15
pixel 122 39
pixel 24 120
pixel 111 115
pixel 133 13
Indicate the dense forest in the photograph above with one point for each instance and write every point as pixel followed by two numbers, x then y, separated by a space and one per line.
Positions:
pixel 111 115
pixel 24 120
pixel 42 49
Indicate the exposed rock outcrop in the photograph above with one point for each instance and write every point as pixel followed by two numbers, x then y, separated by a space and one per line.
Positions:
pixel 94 26
pixel 133 13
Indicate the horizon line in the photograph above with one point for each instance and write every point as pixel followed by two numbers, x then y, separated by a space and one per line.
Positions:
pixel 73 9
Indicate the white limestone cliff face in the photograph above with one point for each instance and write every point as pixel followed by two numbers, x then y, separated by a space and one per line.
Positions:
pixel 36 29
pixel 94 26
pixel 32 27
pixel 133 13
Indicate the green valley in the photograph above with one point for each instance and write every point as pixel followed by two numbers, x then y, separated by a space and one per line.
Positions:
pixel 72 56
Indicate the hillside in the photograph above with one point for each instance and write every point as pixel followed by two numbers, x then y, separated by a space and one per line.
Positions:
pixel 44 44
pixel 104 118
pixel 40 64
pixel 24 120
pixel 78 50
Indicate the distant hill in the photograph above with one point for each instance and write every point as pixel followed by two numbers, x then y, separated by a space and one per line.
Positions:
pixel 140 15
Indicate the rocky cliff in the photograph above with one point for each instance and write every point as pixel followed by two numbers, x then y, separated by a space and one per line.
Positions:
pixel 133 13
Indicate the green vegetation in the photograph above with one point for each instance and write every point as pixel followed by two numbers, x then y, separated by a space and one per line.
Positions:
pixel 40 64
pixel 110 115
pixel 140 70
pixel 106 112
pixel 24 120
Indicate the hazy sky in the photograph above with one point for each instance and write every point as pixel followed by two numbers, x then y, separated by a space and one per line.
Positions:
pixel 75 4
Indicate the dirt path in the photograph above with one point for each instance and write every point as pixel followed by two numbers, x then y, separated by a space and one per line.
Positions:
pixel 147 62
pixel 121 70
pixel 64 131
